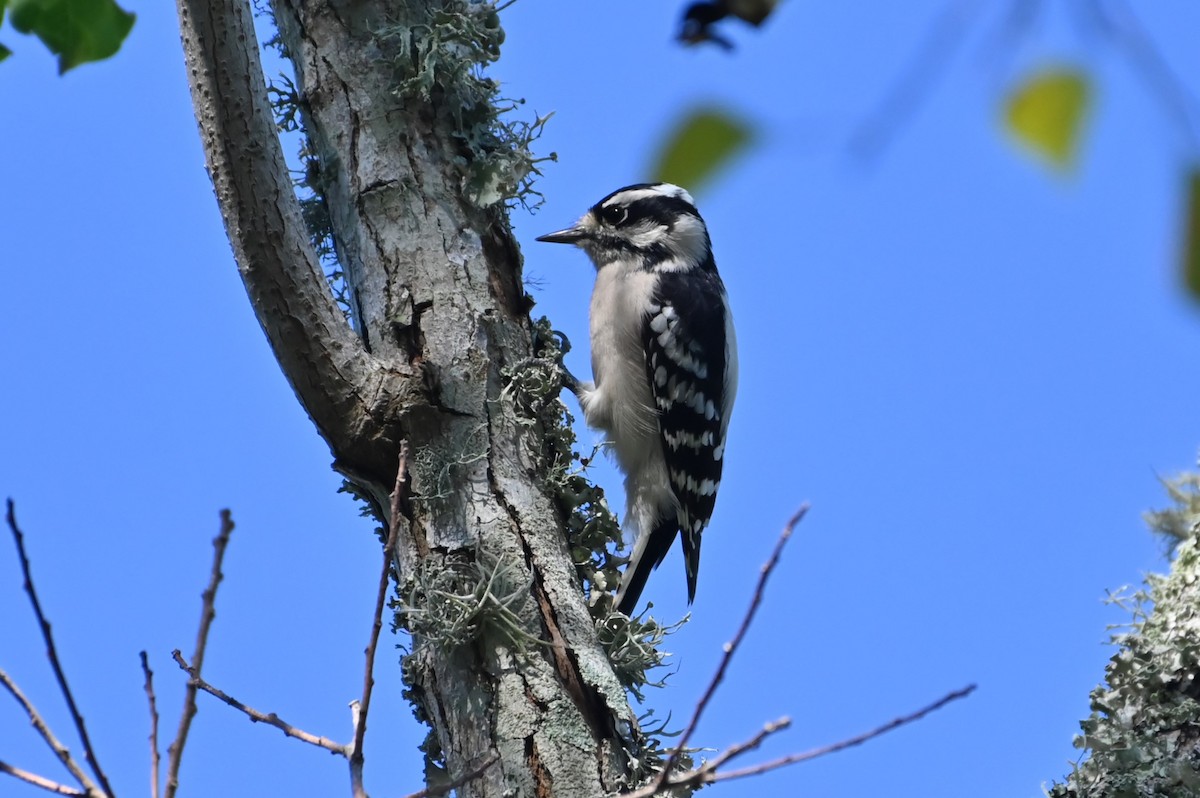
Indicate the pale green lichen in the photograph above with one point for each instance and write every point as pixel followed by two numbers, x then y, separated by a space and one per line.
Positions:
pixel 455 602
pixel 1177 522
pixel 592 532
pixel 440 62
pixel 288 107
pixel 1143 736
pixel 440 472
pixel 632 645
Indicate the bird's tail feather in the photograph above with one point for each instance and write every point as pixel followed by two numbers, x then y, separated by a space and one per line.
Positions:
pixel 648 553
pixel 691 560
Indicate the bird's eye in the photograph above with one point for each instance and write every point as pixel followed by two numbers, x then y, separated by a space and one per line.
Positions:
pixel 615 214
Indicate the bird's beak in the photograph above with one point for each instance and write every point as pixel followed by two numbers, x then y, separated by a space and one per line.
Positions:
pixel 571 235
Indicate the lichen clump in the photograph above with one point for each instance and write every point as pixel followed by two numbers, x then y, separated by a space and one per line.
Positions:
pixel 593 536
pixel 1144 731
pixel 441 63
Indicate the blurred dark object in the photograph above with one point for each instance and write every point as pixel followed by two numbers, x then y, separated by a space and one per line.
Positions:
pixel 699 19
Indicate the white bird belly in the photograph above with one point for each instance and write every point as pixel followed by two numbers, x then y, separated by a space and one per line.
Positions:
pixel 621 403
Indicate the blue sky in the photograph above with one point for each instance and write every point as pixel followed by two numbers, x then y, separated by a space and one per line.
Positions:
pixel 973 369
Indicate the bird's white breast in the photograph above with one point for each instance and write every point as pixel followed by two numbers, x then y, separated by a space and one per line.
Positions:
pixel 621 403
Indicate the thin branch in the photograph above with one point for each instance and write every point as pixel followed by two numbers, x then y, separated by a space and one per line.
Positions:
pixel 708 773
pixel 154 757
pixel 916 80
pixel 399 501
pixel 52 654
pixel 254 715
pixel 469 776
pixel 737 749
pixel 39 781
pixel 815 753
pixel 43 729
pixel 732 646
pixel 703 774
pixel 207 613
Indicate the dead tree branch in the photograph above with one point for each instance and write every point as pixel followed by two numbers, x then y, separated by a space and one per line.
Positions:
pixel 207 613
pixel 708 773
pixel 52 654
pixel 43 729
pixel 737 749
pixel 271 719
pixel 39 781
pixel 399 501
pixel 814 753
pixel 154 756
pixel 732 646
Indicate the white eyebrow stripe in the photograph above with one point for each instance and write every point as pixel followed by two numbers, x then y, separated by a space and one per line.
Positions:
pixel 660 190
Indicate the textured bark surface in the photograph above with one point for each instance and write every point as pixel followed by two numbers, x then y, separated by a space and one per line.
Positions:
pixel 441 313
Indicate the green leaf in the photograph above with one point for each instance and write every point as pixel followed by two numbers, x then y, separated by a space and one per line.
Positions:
pixel 1191 246
pixel 704 141
pixel 1046 113
pixel 4 51
pixel 77 31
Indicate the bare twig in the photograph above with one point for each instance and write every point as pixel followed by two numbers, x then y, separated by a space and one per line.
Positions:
pixel 52 654
pixel 154 757
pixel 732 646
pixel 708 772
pixel 814 753
pixel 43 729
pixel 39 781
pixel 207 613
pixel 271 719
pixel 737 749
pixel 470 775
pixel 399 501
pixel 705 773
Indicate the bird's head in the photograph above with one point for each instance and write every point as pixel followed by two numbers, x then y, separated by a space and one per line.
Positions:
pixel 655 225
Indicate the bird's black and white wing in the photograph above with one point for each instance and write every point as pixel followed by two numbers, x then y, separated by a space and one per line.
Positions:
pixel 691 365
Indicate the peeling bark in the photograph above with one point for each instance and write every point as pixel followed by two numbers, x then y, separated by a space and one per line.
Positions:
pixel 440 314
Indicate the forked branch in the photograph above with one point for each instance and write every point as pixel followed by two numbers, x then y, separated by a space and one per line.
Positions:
pixel 270 719
pixel 43 730
pixel 710 772
pixel 400 499
pixel 52 654
pixel 732 646
pixel 208 612
pixel 351 396
pixel 39 781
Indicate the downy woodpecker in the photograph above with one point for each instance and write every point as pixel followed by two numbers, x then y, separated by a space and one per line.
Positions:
pixel 664 359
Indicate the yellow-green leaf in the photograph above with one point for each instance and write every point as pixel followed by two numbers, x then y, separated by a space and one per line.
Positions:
pixel 1191 237
pixel 703 141
pixel 1046 113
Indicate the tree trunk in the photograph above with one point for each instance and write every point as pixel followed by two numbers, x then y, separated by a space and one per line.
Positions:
pixel 414 167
